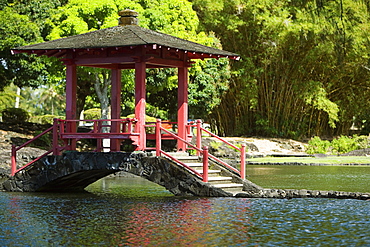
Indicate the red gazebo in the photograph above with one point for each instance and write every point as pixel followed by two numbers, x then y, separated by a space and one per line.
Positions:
pixel 127 46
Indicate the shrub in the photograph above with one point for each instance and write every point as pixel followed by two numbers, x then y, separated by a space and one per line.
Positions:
pixel 344 144
pixel 15 115
pixel 93 113
pixel 362 141
pixel 149 120
pixel 45 119
pixel 341 145
pixel 317 146
pixel 44 141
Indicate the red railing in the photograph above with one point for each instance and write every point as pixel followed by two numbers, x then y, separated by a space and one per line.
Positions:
pixel 200 151
pixel 158 133
pixel 101 129
pixel 242 149
pixel 14 169
pixel 66 130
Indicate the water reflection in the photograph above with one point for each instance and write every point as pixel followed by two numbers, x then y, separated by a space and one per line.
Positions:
pixel 198 222
pixel 114 216
pixel 340 178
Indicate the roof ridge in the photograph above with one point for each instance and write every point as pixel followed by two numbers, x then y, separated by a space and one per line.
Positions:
pixel 137 34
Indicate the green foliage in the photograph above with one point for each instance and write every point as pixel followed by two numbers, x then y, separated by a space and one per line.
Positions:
pixel 43 141
pixel 215 145
pixel 15 115
pixel 45 100
pixel 45 119
pixel 317 146
pixel 20 69
pixel 156 112
pixel 340 145
pixel 80 16
pixel 191 152
pixel 304 67
pixel 37 11
pixel 208 82
pixel 8 97
pixel 93 113
pixel 208 79
pixel 238 145
pixel 148 120
pixel 343 144
pixel 361 141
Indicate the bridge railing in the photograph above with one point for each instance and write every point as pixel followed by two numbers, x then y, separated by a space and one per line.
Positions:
pixel 66 131
pixel 241 149
pixel 204 152
pixel 15 149
pixel 201 151
pixel 100 129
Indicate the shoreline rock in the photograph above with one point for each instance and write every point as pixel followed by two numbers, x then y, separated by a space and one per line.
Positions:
pixel 292 193
pixel 302 164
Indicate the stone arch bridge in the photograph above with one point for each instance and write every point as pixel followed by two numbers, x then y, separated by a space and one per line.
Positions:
pixel 73 171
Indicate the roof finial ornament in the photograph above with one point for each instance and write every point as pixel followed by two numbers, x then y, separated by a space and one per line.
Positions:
pixel 128 17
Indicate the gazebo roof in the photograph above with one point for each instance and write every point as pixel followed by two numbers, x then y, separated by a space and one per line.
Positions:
pixel 123 36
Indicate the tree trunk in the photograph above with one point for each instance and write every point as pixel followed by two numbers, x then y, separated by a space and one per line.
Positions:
pixel 101 85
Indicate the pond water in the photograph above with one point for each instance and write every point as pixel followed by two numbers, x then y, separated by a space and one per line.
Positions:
pixel 135 212
pixel 336 178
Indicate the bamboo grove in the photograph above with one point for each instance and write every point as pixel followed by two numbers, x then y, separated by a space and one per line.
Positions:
pixel 304 68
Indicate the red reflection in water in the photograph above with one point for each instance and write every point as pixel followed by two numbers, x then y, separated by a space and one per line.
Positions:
pixel 15 210
pixel 187 222
pixel 149 226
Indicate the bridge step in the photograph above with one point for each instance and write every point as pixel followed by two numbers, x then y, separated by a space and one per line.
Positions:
pixel 192 165
pixel 178 155
pixel 219 179
pixel 228 186
pixel 212 173
pixel 215 178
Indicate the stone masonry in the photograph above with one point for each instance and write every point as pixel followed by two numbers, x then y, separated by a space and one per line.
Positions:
pixel 73 171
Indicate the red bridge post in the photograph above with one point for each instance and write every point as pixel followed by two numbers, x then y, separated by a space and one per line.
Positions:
pixel 242 162
pixel 55 137
pixel 158 144
pixel 199 135
pixel 14 160
pixel 205 164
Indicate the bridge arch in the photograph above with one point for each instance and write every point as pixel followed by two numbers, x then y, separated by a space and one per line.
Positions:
pixel 73 171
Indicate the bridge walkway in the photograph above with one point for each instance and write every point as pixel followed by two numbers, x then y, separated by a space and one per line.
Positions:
pixel 73 173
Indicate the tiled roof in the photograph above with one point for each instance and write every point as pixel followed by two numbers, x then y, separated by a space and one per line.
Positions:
pixel 121 36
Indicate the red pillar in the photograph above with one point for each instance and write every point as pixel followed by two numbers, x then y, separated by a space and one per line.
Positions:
pixel 115 107
pixel 182 107
pixel 140 95
pixel 71 99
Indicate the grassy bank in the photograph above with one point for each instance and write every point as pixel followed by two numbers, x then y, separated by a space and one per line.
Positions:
pixel 329 160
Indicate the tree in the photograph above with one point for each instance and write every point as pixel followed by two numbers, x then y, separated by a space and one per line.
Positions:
pixel 301 65
pixel 20 69
pixel 37 11
pixel 23 23
pixel 7 97
pixel 171 17
pixel 79 17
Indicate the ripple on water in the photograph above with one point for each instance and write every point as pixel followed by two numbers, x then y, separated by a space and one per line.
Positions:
pixel 114 218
